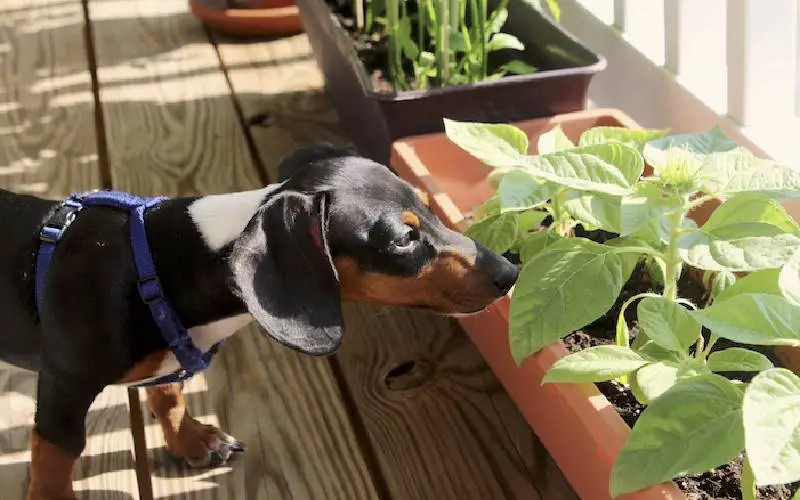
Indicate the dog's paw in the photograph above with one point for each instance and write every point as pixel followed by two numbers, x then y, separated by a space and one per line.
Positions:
pixel 202 445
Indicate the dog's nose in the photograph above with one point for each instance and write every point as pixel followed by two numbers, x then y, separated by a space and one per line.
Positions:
pixel 505 276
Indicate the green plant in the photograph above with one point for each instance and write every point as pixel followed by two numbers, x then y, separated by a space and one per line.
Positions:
pixel 442 42
pixel 695 419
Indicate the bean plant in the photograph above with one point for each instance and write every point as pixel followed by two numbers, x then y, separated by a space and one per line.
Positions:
pixel 443 42
pixel 695 418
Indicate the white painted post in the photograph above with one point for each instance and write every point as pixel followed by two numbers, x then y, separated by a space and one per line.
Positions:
pixel 761 44
pixel 619 14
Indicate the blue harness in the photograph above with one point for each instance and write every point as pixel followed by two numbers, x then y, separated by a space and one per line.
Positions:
pixel 191 359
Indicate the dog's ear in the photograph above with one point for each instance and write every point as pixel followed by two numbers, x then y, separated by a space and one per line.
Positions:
pixel 283 269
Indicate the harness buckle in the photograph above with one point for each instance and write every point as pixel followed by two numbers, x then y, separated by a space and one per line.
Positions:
pixel 150 289
pixel 53 230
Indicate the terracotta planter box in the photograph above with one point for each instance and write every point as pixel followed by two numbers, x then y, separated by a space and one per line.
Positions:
pixel 249 17
pixel 373 120
pixel 579 426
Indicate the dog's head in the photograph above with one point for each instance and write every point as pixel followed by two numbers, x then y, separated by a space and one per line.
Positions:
pixel 341 227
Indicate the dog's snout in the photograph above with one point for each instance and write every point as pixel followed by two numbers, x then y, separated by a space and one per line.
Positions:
pixel 505 276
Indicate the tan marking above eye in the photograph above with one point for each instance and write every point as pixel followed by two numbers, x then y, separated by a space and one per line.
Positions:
pixel 411 218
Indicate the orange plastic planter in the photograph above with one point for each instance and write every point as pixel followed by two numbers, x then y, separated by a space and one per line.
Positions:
pixel 579 426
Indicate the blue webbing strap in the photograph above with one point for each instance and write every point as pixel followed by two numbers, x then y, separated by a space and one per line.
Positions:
pixel 191 359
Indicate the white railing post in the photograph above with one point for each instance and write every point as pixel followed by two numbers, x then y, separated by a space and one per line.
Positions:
pixel 619 14
pixel 761 41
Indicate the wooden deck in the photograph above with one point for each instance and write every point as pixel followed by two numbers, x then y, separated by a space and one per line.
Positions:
pixel 136 95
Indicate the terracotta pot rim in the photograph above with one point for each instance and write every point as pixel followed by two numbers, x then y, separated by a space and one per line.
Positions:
pixel 283 20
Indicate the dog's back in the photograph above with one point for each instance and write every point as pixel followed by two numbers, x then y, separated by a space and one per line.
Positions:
pixel 20 218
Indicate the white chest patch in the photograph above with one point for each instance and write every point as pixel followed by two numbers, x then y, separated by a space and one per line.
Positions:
pixel 203 336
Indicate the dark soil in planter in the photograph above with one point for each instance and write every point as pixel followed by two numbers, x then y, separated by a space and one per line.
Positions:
pixel 723 482
pixel 372 49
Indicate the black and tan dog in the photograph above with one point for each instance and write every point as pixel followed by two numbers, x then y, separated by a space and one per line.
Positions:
pixel 340 227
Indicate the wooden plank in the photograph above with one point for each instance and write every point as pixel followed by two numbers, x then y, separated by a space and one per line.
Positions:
pixel 172 127
pixel 48 148
pixel 446 429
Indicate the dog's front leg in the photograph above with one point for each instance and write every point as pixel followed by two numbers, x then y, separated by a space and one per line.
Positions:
pixel 59 435
pixel 200 445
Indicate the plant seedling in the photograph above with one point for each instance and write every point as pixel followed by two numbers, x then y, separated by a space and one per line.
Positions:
pixel 695 418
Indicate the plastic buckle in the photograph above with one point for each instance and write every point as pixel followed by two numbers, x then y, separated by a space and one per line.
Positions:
pixel 150 289
pixel 52 232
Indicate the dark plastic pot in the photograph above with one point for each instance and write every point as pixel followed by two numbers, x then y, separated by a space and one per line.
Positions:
pixel 373 120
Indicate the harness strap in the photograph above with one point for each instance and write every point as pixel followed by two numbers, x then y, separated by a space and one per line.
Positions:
pixel 191 359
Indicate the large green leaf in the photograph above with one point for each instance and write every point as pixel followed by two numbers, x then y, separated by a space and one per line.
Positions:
pixel 520 190
pixel 554 140
pixel 630 137
pixel 580 169
pixel 789 279
pixel 772 426
pixel 753 318
pixel 693 427
pixel 764 281
pixel 722 250
pixel 694 147
pixel 742 172
pixel 495 144
pixel 625 158
pixel 534 243
pixel 668 323
pixel 655 379
pixel 751 207
pixel 738 359
pixel 594 364
pixel 568 285
pixel 630 251
pixel 497 231
pixel 598 210
pixel 647 206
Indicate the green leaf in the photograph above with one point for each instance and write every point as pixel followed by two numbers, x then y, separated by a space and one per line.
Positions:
pixel 764 281
pixel 520 190
pixel 693 427
pixel 497 231
pixel 495 144
pixel 500 41
pixel 695 147
pixel 647 206
pixel 487 208
pixel 534 243
pixel 496 21
pixel 751 207
pixel 720 250
pixel 789 279
pixel 529 221
pixel 583 169
pixel 594 364
pixel 656 378
pixel 516 67
pixel 738 359
pixel 772 426
pixel 568 285
pixel 667 323
pixel 624 247
pixel 630 137
pixel 721 281
pixel 625 158
pixel 753 318
pixel 554 140
pixel 742 172
pixel 598 210
pixel 749 489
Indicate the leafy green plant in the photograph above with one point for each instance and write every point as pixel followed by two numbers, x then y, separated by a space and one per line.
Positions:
pixel 442 42
pixel 695 418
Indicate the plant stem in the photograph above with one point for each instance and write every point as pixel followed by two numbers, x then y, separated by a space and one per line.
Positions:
pixel 422 16
pixel 443 42
pixel 392 24
pixel 360 14
pixel 711 341
pixel 672 260
pixel 561 219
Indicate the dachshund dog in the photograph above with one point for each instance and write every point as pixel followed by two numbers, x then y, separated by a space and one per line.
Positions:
pixel 80 307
